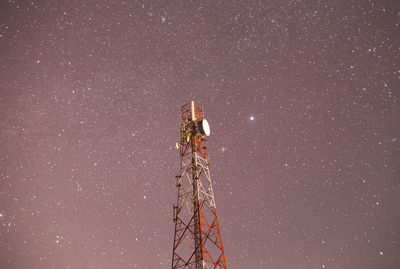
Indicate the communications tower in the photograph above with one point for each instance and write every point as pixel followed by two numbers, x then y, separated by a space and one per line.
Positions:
pixel 197 239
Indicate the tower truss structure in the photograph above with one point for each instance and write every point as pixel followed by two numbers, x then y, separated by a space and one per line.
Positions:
pixel 197 239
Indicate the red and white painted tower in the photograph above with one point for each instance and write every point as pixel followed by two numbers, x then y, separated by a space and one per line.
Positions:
pixel 197 239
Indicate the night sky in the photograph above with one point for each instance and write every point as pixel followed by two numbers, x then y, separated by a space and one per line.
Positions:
pixel 303 100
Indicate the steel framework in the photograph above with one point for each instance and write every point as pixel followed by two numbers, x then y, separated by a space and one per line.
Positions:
pixel 197 239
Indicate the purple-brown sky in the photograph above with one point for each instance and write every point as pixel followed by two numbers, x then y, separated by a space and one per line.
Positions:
pixel 303 102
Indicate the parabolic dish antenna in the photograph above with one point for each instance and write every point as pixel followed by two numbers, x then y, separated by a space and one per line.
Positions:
pixel 204 127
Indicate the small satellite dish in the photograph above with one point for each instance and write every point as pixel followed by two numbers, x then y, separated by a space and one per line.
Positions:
pixel 204 127
pixel 177 146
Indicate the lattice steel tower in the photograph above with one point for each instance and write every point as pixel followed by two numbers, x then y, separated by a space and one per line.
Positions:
pixel 197 240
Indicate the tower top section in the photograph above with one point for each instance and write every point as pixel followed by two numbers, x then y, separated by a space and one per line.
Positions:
pixel 194 129
pixel 191 111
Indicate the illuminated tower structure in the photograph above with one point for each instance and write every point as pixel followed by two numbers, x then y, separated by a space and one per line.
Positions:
pixel 197 239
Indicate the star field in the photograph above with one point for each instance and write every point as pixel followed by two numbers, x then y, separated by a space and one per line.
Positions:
pixel 303 102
